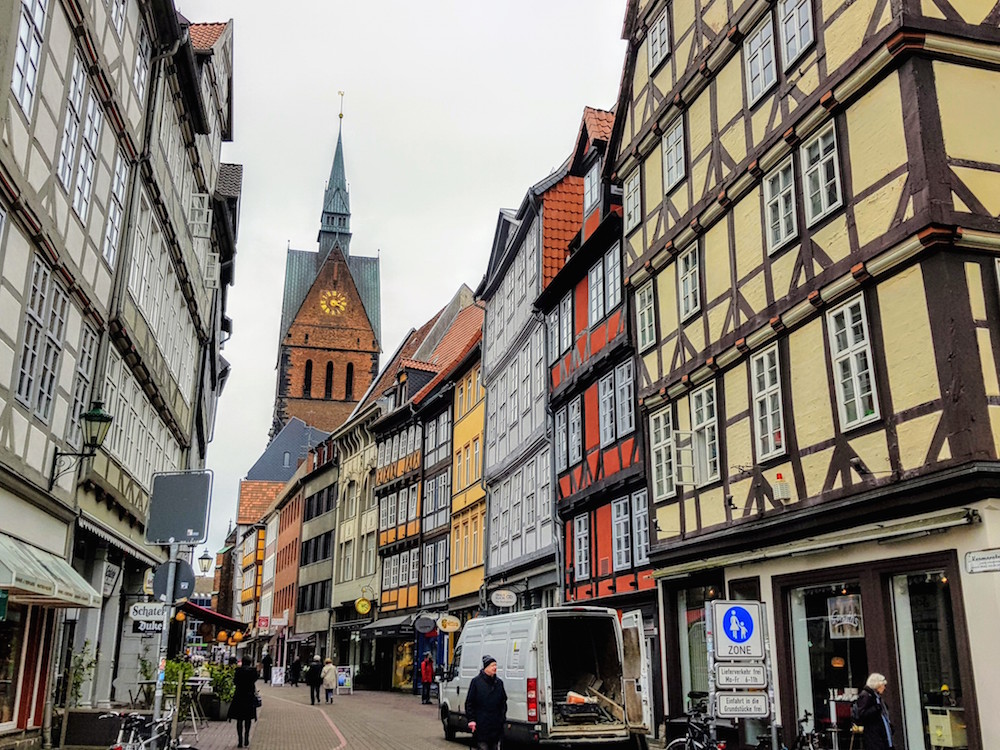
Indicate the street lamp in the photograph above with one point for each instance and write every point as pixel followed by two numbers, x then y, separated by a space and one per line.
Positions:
pixel 204 562
pixel 95 424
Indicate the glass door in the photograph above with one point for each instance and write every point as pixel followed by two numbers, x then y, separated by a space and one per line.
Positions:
pixel 931 685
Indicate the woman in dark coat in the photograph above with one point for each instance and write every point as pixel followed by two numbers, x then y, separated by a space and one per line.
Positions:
pixel 873 714
pixel 243 707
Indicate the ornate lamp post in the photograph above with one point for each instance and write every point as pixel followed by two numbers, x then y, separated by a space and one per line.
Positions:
pixel 96 424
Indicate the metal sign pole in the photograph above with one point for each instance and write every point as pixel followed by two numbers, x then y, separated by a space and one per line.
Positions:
pixel 165 633
pixel 770 677
pixel 710 643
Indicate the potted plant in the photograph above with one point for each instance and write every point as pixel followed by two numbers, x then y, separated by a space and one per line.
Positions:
pixel 223 689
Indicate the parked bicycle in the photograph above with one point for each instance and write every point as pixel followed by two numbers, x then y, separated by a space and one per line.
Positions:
pixel 130 733
pixel 804 740
pixel 697 732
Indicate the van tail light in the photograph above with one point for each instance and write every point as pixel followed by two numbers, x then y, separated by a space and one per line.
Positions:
pixel 532 699
pixel 721 744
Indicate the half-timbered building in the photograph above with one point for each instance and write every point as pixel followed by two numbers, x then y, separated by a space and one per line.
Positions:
pixel 811 246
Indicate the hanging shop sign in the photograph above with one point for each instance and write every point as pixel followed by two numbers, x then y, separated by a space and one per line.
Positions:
pixel 983 561
pixel 424 623
pixel 449 624
pixel 147 611
pixel 503 598
pixel 845 616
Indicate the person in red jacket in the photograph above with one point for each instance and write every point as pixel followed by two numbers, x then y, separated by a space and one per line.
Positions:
pixel 426 677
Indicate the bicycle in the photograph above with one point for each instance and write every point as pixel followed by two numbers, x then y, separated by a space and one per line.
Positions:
pixel 803 740
pixel 697 732
pixel 130 733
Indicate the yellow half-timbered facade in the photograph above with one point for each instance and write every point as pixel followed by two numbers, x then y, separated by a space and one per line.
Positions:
pixel 811 191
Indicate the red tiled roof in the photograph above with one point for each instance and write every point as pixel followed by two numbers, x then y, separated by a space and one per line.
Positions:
pixel 255 498
pixel 598 123
pixel 388 376
pixel 205 35
pixel 562 215
pixel 416 364
pixel 466 323
pixel 477 336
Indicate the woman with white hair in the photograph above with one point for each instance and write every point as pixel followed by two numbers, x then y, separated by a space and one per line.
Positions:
pixel 873 715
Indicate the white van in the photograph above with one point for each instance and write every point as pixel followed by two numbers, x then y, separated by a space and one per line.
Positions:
pixel 544 654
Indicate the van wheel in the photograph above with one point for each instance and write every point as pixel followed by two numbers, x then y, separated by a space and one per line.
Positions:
pixel 449 730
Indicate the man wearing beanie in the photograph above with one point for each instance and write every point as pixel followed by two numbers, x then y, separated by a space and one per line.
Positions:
pixel 486 706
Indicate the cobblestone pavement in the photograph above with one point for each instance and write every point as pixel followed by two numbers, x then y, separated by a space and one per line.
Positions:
pixel 367 720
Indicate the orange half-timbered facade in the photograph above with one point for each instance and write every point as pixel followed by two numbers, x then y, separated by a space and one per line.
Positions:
pixel 811 245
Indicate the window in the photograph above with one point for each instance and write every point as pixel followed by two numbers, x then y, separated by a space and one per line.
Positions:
pixel 645 323
pixel 796 28
pixel 44 328
pixel 441 572
pixel 705 434
pixel 27 55
pixel 640 517
pixel 661 445
pixel 118 16
pixel 347 560
pixel 595 292
pixel 71 122
pixel 576 431
pixel 758 51
pixel 779 196
pixel 394 573
pixel 349 382
pixel 852 363
pixel 621 531
pixel 475 458
pixel 82 379
pixel 592 187
pixel 581 546
pixel 633 194
pixel 606 408
pixel 390 502
pixel 613 276
pixel 429 564
pixel 766 382
pixel 88 156
pixel 566 323
pixel 352 500
pixel 328 382
pixel 307 379
pixel 821 175
pixel 460 403
pixel 141 74
pixel 688 282
pixel 561 446
pixel 414 497
pixel 623 398
pixel 116 208
pixel 673 155
pixel 659 42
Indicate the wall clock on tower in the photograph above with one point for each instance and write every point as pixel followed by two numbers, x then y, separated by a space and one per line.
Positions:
pixel 332 302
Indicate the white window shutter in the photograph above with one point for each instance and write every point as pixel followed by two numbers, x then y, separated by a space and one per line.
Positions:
pixel 212 270
pixel 201 215
pixel 685 466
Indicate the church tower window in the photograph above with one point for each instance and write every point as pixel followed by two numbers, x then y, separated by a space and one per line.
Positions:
pixel 349 382
pixel 328 390
pixel 307 380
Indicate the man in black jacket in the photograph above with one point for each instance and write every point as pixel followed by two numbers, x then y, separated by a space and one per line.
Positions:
pixel 486 706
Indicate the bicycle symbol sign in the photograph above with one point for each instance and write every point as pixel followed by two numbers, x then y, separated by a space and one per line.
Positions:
pixel 737 631
pixel 738 624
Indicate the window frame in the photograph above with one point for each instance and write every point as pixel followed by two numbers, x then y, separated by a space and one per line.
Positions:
pixel 784 200
pixel 749 54
pixel 672 145
pixel 807 169
pixel 613 293
pixel 581 547
pixel 640 531
pixel 632 202
pixel 624 398
pixel 645 309
pixel 606 409
pixel 661 454
pixel 566 323
pixel 763 396
pixel 688 293
pixel 791 57
pixel 658 41
pixel 848 354
pixel 706 429
pixel 621 533
pixel 596 309
pixel 592 187
pixel 575 431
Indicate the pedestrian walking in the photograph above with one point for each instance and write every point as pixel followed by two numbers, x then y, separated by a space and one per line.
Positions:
pixel 486 706
pixel 329 677
pixel 873 715
pixel 295 672
pixel 265 664
pixel 426 677
pixel 314 678
pixel 243 707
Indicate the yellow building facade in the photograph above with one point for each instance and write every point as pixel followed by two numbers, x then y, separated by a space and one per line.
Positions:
pixel 468 504
pixel 811 241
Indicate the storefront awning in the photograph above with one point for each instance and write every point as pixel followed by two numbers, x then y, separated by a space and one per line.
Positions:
pixel 33 576
pixel 126 546
pixel 204 614
pixel 389 627
pixel 351 624
pixel 887 531
pixel 300 637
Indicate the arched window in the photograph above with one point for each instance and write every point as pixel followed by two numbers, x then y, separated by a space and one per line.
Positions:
pixel 287 459
pixel 349 382
pixel 307 380
pixel 328 392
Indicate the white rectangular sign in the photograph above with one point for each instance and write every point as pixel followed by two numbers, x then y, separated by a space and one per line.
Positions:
pixel 742 705
pixel 737 630
pixel 983 561
pixel 740 676
pixel 147 611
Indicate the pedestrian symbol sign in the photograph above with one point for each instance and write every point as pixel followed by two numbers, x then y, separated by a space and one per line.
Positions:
pixel 737 630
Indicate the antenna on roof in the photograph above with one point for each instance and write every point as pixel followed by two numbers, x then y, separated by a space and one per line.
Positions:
pixel 341 104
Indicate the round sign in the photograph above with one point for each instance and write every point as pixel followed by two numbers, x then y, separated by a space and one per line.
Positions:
pixel 448 624
pixel 738 624
pixel 424 624
pixel 183 581
pixel 503 598
pixel 362 606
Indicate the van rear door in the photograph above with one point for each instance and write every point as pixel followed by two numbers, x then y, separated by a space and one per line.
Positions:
pixel 635 674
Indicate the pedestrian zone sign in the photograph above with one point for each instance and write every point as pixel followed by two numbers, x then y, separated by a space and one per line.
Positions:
pixel 737 630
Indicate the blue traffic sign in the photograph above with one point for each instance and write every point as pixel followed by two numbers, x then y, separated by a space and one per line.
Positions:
pixel 738 624
pixel 737 630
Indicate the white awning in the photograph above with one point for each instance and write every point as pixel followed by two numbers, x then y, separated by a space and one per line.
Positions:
pixel 887 531
pixel 33 576
pixel 125 545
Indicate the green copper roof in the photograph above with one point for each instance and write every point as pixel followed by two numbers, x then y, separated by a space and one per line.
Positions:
pixel 366 278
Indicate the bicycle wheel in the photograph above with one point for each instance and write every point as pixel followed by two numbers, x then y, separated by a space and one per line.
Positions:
pixel 685 743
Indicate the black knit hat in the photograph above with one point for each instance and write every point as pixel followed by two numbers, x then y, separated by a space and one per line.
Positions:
pixel 487 660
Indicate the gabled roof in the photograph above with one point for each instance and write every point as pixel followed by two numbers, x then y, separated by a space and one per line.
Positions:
pixel 562 214
pixel 205 35
pixel 230 180
pixel 599 123
pixel 255 498
pixel 411 342
pixel 471 343
pixel 297 438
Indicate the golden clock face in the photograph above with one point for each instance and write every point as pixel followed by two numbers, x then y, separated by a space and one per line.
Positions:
pixel 332 302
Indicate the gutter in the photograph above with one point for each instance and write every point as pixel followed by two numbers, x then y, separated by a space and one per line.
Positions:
pixel 169 31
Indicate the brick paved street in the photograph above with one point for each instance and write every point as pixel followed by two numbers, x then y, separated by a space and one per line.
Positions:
pixel 363 721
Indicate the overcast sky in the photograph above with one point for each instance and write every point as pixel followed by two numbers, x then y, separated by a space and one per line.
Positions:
pixel 452 111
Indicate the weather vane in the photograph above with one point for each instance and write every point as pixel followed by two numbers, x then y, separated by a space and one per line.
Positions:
pixel 341 104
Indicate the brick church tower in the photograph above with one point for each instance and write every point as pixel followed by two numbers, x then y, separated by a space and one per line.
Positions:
pixel 330 319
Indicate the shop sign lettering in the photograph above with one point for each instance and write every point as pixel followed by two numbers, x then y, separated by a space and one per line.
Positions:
pixel 983 561
pixel 742 705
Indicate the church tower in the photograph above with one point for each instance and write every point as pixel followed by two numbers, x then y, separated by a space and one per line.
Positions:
pixel 330 331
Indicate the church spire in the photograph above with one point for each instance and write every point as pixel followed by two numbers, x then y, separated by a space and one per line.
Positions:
pixel 335 222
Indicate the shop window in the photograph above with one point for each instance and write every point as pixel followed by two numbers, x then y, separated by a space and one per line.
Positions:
pixel 931 685
pixel 11 638
pixel 691 635
pixel 830 661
